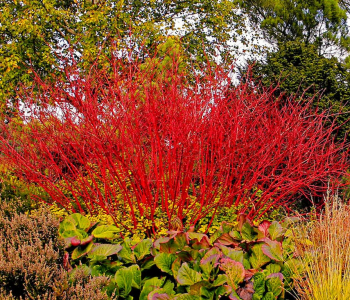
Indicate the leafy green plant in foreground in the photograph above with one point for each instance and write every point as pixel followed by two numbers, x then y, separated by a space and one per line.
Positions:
pixel 239 261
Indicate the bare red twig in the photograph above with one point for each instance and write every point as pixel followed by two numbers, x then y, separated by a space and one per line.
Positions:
pixel 135 140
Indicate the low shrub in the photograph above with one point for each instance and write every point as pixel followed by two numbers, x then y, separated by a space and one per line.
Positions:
pixel 31 258
pixel 238 261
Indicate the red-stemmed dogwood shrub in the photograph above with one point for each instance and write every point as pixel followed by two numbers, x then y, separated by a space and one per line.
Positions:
pixel 136 140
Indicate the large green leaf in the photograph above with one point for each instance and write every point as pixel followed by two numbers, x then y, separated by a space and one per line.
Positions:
pixel 234 270
pixel 220 280
pixel 187 276
pixel 101 251
pixel 274 285
pixel 126 254
pixel 176 266
pixel 275 230
pixel 65 226
pixel 248 233
pixel 150 285
pixel 164 262
pixel 80 221
pixel 136 276
pixel 259 284
pixel 143 248
pixel 80 251
pixel 207 264
pixel 273 250
pixel 258 258
pixel 272 268
pixel 124 279
pixel 106 232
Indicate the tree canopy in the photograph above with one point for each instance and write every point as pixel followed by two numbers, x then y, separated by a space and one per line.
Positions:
pixel 34 34
pixel 318 22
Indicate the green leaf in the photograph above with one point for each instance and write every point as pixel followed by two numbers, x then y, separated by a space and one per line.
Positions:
pixel 269 296
pixel 136 276
pixel 176 266
pixel 258 258
pixel 80 221
pixel 80 234
pixel 273 268
pixel 234 270
pixel 259 283
pixel 124 279
pixel 66 226
pixel 164 262
pixel 248 233
pixel 207 264
pixel 220 280
pixel 187 276
pixel 126 253
pixel 273 250
pixel 106 232
pixel 235 234
pixel 143 248
pixel 275 230
pixel 150 285
pixel 178 242
pixel 80 251
pixel 274 285
pixel 104 250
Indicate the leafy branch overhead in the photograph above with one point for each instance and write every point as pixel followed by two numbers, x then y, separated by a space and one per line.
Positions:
pixel 37 33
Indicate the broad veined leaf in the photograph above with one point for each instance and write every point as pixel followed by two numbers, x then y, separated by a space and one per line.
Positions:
pixel 234 270
pixel 275 230
pixel 258 258
pixel 142 249
pixel 124 279
pixel 106 232
pixel 274 285
pixel 80 234
pixel 207 264
pixel 164 262
pixel 80 221
pixel 273 250
pixel 187 276
pixel 263 229
pixel 259 284
pixel 104 250
pixel 176 266
pixel 248 232
pixel 220 280
pixel 136 276
pixel 151 285
pixel 126 253
pixel 81 251
pixel 272 268
pixel 65 226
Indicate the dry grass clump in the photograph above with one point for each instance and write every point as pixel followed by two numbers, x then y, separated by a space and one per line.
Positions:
pixel 31 259
pixel 326 260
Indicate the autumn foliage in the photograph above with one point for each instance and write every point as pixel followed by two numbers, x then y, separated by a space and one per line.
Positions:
pixel 137 139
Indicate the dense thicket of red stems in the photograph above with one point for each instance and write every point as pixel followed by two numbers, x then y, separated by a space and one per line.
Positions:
pixel 135 139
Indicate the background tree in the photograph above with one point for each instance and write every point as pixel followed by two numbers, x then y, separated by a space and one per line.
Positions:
pixel 35 34
pixel 318 22
pixel 301 71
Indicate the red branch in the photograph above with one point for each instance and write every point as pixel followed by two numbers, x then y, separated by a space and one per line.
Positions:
pixel 135 141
